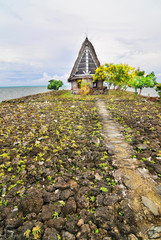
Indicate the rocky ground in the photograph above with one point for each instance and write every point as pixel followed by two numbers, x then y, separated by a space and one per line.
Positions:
pixel 141 121
pixel 56 172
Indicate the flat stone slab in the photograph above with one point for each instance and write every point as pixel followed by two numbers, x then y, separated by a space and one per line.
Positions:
pixel 116 141
pixel 151 205
pixel 116 135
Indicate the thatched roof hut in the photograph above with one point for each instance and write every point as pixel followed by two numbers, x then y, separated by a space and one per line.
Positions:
pixel 86 62
pixel 84 67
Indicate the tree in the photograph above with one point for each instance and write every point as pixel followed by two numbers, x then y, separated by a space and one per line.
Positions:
pixel 110 74
pixel 153 78
pixel 55 84
pixel 116 74
pixel 119 74
pixel 139 73
pixel 100 74
pixel 141 81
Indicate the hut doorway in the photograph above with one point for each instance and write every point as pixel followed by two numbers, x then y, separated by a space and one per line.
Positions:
pixel 95 84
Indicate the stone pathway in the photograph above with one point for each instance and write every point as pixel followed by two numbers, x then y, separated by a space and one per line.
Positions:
pixel 143 195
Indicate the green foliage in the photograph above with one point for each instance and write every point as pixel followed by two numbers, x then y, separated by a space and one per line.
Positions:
pixel 36 232
pixel 55 215
pixel 141 81
pixel 103 189
pixel 103 165
pixel 49 178
pixel 27 233
pixel 158 89
pixel 139 73
pixel 111 182
pixel 153 78
pixel 3 202
pixel 120 213
pixel 59 237
pixel 92 198
pixel 62 203
pixel 55 84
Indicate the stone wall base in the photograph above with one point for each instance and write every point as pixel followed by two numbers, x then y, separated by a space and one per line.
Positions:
pixel 75 91
pixel 94 91
pixel 100 91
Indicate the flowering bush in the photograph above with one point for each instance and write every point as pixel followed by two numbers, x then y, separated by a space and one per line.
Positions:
pixel 85 88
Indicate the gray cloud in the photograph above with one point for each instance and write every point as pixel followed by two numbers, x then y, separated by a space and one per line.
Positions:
pixel 40 37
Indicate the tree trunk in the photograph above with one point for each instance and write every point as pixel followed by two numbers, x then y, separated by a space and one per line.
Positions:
pixel 140 91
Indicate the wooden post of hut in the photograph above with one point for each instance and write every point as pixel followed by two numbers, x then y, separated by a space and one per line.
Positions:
pixel 84 67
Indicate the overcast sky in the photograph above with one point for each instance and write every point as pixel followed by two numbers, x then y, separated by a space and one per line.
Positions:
pixel 40 39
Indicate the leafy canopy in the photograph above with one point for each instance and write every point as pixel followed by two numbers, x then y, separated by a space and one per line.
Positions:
pixel 141 81
pixel 116 74
pixel 55 84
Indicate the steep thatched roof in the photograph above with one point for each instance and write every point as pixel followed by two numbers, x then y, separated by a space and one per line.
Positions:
pixel 86 62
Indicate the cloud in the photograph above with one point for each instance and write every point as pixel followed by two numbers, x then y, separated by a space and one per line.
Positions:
pixel 45 78
pixel 20 79
pixel 158 75
pixel 45 36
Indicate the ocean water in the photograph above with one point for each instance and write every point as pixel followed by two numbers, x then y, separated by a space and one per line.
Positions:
pixel 7 93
